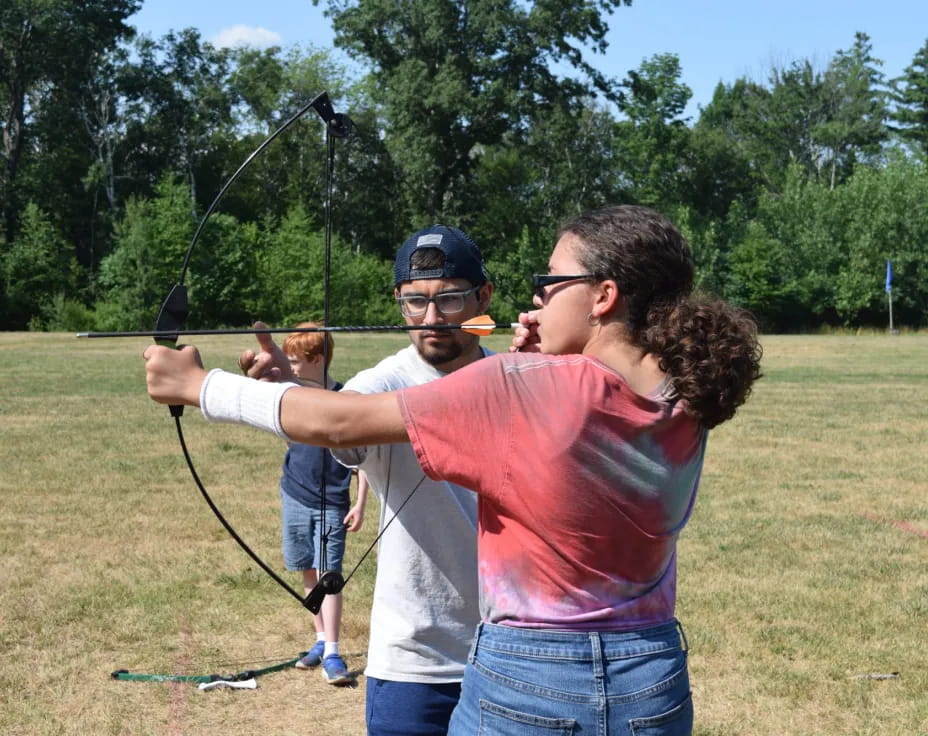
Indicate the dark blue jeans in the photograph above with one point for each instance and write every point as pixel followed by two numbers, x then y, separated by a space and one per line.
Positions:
pixel 409 708
pixel 559 683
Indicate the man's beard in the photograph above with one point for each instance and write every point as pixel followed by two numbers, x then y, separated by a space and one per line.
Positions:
pixel 436 355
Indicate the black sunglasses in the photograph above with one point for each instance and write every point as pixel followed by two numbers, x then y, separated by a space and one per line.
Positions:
pixel 541 280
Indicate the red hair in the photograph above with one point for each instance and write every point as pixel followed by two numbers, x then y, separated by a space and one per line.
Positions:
pixel 310 344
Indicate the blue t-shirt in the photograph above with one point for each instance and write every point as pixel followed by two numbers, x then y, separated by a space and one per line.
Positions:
pixel 302 476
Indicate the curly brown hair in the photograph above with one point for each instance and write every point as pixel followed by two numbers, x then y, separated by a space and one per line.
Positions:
pixel 711 353
pixel 709 349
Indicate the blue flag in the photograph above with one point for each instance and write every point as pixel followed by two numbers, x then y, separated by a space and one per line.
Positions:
pixel 889 276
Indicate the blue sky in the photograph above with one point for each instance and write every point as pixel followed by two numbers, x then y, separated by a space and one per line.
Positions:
pixel 716 40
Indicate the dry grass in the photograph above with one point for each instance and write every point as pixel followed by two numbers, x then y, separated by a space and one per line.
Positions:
pixel 112 560
pixel 805 565
pixel 794 580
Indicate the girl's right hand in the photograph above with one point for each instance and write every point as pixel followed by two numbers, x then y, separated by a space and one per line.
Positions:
pixel 525 339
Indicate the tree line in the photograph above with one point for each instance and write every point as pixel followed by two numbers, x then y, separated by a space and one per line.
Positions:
pixel 793 191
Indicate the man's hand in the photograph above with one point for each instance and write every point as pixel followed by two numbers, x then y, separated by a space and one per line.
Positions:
pixel 525 339
pixel 174 376
pixel 269 363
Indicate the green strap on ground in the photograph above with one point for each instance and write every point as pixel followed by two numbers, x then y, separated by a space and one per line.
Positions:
pixel 237 677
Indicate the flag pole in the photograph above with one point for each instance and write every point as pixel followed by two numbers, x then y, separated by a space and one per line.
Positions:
pixel 889 296
pixel 889 292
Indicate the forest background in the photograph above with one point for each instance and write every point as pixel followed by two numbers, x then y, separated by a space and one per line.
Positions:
pixel 794 192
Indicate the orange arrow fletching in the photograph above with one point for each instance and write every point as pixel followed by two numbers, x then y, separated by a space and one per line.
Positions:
pixel 482 325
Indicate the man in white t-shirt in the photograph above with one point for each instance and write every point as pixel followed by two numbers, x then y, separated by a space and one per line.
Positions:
pixel 425 606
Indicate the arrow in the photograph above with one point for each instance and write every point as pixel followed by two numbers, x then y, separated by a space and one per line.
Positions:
pixel 482 325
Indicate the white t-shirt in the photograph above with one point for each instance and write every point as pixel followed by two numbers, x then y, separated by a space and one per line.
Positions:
pixel 425 607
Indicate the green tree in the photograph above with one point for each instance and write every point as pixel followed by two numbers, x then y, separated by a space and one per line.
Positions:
pixel 910 94
pixel 511 270
pixel 150 242
pixel 815 255
pixel 784 258
pixel 368 209
pixel 39 265
pixel 729 121
pixel 271 86
pixel 855 125
pixel 761 279
pixel 885 218
pixel 706 237
pixel 101 110
pixel 722 162
pixel 290 276
pixel 48 50
pixel 179 111
pixel 716 173
pixel 566 163
pixel 825 122
pixel 787 117
pixel 773 127
pixel 456 77
pixel 652 143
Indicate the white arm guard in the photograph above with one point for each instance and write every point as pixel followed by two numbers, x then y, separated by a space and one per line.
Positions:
pixel 226 397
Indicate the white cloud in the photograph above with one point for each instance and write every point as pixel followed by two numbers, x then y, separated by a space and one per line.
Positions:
pixel 246 36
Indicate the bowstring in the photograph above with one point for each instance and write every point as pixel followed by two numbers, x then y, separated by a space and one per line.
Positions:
pixel 326 280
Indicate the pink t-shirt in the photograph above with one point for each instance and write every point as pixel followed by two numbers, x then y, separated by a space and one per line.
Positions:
pixel 583 486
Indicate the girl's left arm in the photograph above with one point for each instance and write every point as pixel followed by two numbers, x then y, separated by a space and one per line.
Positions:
pixel 310 415
pixel 335 419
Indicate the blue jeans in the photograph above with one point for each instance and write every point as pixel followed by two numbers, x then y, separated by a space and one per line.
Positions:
pixel 409 708
pixel 537 681
pixel 301 529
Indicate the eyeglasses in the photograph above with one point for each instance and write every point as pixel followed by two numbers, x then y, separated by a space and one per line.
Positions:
pixel 541 280
pixel 448 302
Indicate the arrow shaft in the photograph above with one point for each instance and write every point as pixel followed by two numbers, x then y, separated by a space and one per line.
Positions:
pixel 288 330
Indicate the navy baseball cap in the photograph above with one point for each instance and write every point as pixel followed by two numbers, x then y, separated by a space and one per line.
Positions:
pixel 463 259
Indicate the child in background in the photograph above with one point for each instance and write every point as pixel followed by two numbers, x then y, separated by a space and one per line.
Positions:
pixel 302 507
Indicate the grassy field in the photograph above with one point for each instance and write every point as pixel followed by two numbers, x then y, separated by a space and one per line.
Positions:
pixel 803 573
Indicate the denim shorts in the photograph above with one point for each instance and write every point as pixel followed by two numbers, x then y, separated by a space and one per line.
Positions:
pixel 537 681
pixel 301 528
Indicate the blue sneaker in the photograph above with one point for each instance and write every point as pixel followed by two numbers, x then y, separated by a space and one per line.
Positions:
pixel 312 658
pixel 334 670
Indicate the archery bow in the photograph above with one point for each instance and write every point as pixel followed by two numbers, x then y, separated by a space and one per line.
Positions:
pixel 174 310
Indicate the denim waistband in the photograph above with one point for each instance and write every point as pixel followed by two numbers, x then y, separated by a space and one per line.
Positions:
pixel 580 645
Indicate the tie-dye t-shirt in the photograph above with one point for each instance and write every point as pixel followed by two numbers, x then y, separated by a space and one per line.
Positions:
pixel 584 486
